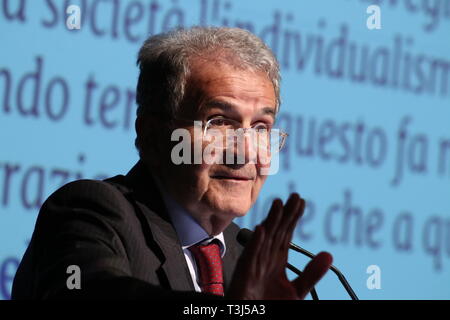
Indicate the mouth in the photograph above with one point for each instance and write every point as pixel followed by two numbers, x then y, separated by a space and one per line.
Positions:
pixel 232 177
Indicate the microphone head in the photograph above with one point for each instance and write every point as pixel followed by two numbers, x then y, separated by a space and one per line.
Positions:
pixel 244 236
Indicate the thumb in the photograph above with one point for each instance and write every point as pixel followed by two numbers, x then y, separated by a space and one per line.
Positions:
pixel 313 272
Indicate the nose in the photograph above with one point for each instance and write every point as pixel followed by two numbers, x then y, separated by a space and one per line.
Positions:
pixel 243 148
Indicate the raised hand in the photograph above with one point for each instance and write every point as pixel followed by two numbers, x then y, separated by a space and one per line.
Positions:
pixel 261 271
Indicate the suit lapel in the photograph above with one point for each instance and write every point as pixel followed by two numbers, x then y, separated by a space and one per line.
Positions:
pixel 232 254
pixel 173 262
pixel 149 201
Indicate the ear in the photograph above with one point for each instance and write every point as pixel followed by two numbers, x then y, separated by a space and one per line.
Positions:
pixel 148 130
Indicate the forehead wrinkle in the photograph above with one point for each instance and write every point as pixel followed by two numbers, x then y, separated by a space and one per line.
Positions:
pixel 224 83
pixel 230 82
pixel 229 106
pixel 236 91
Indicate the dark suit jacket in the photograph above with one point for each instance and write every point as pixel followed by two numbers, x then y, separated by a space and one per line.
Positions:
pixel 119 234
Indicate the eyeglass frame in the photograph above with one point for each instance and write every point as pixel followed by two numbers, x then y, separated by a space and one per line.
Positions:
pixel 282 133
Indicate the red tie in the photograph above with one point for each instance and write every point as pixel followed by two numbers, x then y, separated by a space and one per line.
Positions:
pixel 209 264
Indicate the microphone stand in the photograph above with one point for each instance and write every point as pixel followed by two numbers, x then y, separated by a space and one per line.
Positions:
pixel 336 271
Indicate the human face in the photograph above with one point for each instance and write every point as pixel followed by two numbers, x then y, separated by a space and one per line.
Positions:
pixel 216 193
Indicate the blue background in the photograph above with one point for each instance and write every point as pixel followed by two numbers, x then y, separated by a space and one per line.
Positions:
pixel 52 132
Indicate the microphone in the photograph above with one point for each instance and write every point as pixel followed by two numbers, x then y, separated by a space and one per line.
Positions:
pixel 245 235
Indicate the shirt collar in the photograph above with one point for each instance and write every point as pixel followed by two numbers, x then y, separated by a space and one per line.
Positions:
pixel 188 230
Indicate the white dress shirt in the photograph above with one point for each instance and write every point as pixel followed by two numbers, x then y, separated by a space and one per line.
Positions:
pixel 189 232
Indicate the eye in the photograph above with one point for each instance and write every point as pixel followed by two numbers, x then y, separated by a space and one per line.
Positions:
pixel 261 126
pixel 217 122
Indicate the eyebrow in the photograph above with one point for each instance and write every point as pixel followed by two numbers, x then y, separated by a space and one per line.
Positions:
pixel 231 107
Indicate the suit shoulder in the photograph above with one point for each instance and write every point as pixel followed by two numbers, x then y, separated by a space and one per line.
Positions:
pixel 95 194
pixel 86 188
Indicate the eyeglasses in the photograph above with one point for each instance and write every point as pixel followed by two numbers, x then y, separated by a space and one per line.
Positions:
pixel 264 136
pixel 223 132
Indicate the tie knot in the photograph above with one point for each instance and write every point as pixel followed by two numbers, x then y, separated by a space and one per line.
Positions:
pixel 210 250
pixel 209 264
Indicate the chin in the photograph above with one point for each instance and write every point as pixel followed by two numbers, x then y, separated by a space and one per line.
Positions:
pixel 230 198
pixel 232 207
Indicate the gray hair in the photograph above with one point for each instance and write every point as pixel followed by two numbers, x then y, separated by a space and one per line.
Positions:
pixel 163 62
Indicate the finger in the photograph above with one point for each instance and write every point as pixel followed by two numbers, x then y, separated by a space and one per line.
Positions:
pixel 291 213
pixel 294 218
pixel 270 226
pixel 313 272
pixel 290 216
pixel 273 219
pixel 247 271
pixel 251 254
pixel 276 206
pixel 262 261
pixel 256 249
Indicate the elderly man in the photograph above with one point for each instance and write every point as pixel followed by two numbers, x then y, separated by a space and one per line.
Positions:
pixel 165 229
